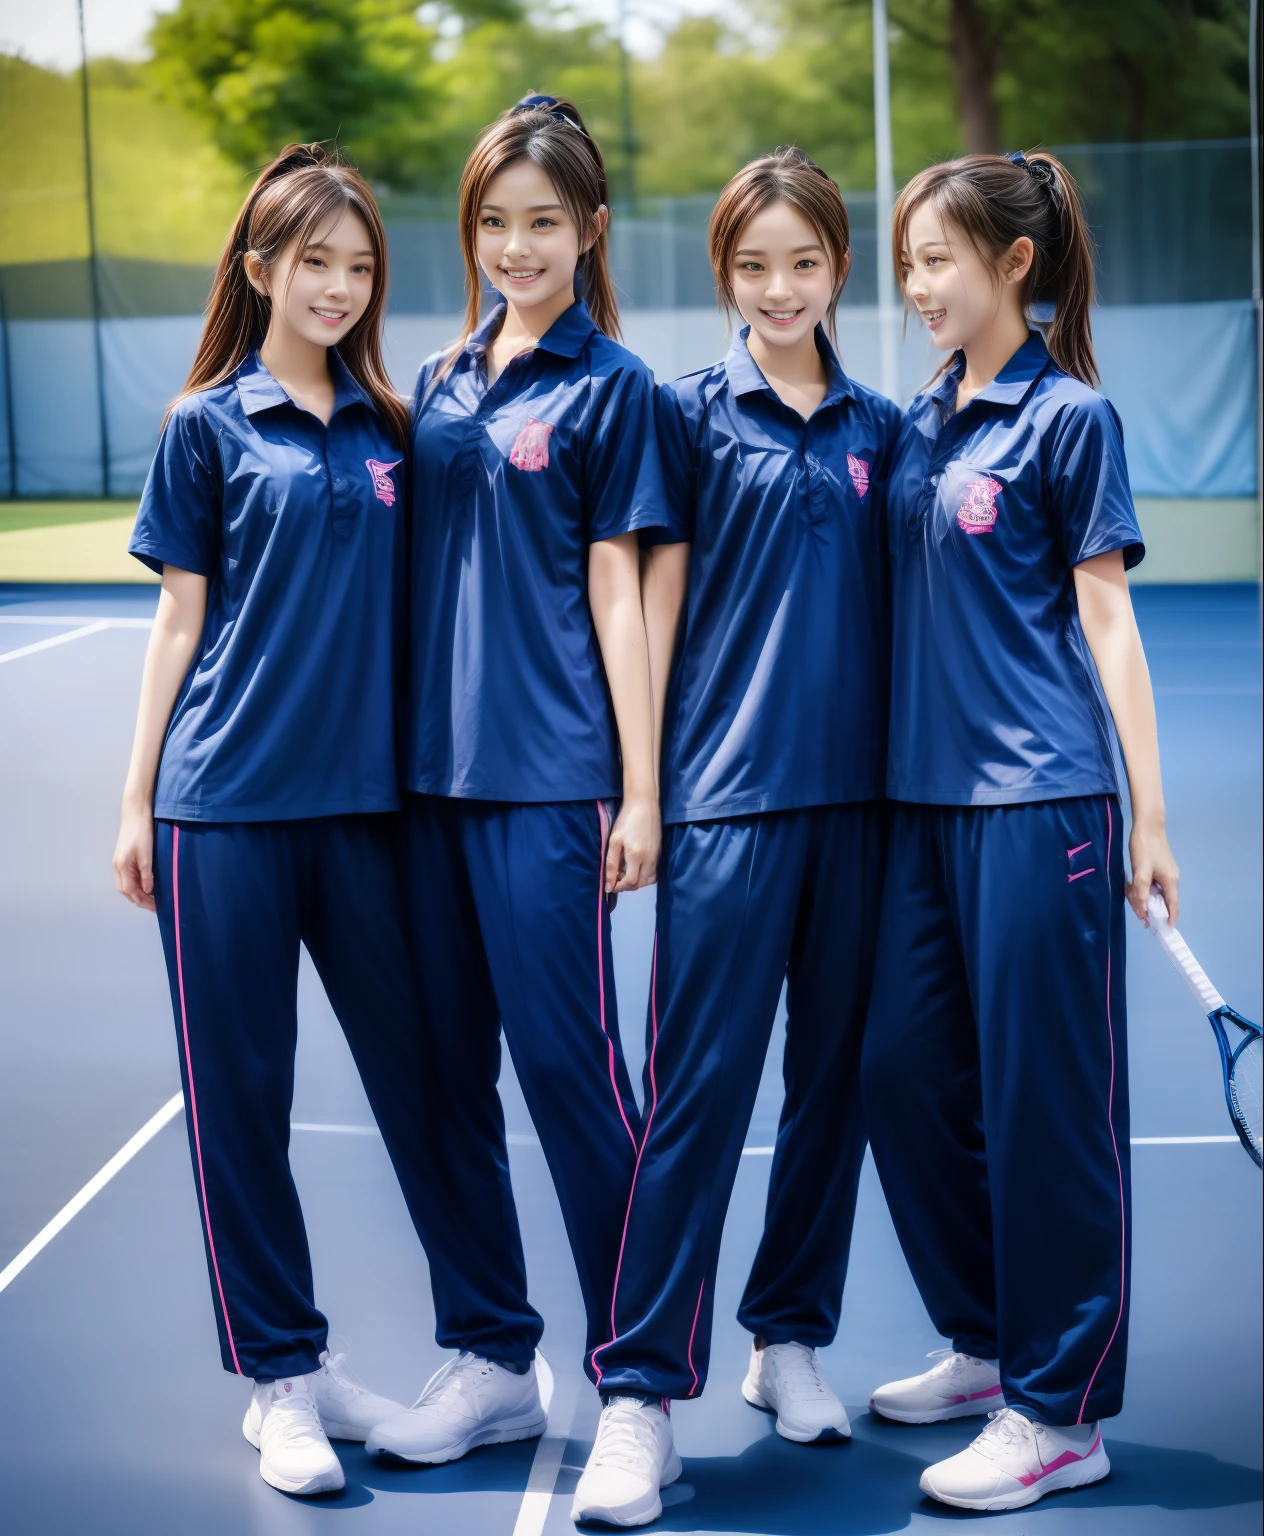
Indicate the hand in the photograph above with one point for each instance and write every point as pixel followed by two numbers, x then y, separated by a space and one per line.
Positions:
pixel 1152 863
pixel 134 857
pixel 632 853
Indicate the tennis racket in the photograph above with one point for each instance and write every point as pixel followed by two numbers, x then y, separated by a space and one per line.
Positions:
pixel 1241 1051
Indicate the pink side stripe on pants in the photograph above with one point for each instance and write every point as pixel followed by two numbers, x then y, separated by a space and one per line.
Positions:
pixel 193 1114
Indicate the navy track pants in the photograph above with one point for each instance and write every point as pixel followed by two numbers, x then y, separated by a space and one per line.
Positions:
pixel 235 902
pixel 510 928
pixel 744 905
pixel 996 1089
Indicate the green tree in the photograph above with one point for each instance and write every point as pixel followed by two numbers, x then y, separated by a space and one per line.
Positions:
pixel 1080 71
pixel 263 72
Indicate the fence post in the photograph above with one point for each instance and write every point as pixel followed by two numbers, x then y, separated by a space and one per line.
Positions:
pixel 93 265
pixel 10 433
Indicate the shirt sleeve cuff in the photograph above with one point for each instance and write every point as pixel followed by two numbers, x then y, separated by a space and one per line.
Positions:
pixel 156 556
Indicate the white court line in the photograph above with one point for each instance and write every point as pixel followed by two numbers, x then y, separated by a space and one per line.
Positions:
pixel 94 1186
pixel 1178 1141
pixel 74 618
pixel 561 1408
pixel 44 645
pixel 515 1140
pixel 95 627
pixel 339 1130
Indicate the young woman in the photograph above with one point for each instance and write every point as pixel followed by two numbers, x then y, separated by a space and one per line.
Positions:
pixel 256 812
pixel 995 1066
pixel 772 774
pixel 534 465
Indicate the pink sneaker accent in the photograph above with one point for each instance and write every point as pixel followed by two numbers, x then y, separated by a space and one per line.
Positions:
pixel 1065 1460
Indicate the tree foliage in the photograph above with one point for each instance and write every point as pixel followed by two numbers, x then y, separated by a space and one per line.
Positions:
pixel 264 72
pixel 405 96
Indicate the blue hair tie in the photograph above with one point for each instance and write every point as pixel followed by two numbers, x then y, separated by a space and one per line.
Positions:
pixel 547 104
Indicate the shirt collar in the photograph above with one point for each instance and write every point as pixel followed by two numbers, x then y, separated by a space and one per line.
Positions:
pixel 746 377
pixel 259 391
pixel 565 337
pixel 1010 387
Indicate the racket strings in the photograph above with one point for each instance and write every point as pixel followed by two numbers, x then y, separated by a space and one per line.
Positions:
pixel 1246 1092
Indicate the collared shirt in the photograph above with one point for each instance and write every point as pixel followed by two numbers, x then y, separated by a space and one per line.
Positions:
pixel 511 484
pixel 995 698
pixel 287 710
pixel 778 695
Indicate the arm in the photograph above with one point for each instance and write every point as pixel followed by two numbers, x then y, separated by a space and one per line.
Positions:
pixel 173 642
pixel 614 595
pixel 664 575
pixel 1101 589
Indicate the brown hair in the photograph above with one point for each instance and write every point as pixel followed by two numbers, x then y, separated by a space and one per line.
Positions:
pixel 785 176
pixel 997 199
pixel 548 131
pixel 298 192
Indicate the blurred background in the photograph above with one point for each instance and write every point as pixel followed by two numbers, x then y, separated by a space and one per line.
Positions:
pixel 132 129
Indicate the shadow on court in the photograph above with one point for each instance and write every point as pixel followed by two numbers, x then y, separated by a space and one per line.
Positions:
pixel 870 1486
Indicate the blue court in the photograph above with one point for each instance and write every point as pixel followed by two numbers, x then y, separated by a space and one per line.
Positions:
pixel 118 1421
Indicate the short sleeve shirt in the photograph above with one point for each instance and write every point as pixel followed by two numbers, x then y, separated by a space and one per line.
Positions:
pixel 778 696
pixel 995 698
pixel 511 484
pixel 287 710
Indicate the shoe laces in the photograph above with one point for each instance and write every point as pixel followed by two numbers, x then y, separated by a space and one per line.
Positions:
pixel 337 1369
pixel 800 1369
pixel 625 1436
pixel 292 1417
pixel 455 1381
pixel 1005 1427
pixel 948 1362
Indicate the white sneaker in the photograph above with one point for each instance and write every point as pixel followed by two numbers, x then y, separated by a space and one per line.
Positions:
pixel 634 1456
pixel 348 1410
pixel 283 1425
pixel 467 1402
pixel 1016 1461
pixel 786 1379
pixel 954 1388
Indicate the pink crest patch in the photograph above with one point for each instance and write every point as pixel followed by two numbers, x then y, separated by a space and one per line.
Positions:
pixel 287 1386
pixel 858 469
pixel 383 485
pixel 531 447
pixel 977 512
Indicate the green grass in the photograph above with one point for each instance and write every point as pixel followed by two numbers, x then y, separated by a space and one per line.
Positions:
pixel 49 514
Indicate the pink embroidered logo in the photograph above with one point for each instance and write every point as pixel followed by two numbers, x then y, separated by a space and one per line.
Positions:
pixel 531 446
pixel 858 469
pixel 383 485
pixel 977 512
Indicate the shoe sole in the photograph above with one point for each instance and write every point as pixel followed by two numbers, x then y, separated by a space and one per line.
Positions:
pixel 625 1515
pixel 974 1410
pixel 326 1482
pixel 503 1434
pixel 1078 1475
pixel 830 1435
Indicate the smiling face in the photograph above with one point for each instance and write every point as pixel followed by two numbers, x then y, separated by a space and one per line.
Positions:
pixel 957 294
pixel 320 291
pixel 526 241
pixel 781 276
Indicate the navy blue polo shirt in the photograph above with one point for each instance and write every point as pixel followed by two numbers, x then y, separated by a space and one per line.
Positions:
pixel 510 486
pixel 995 698
pixel 287 710
pixel 778 695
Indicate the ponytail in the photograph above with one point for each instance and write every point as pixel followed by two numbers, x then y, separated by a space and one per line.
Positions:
pixel 548 131
pixel 300 191
pixel 997 199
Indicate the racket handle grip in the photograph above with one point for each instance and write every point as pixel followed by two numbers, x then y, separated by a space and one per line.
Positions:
pixel 1178 952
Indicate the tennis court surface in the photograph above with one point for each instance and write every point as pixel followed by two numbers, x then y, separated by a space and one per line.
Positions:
pixel 118 1420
